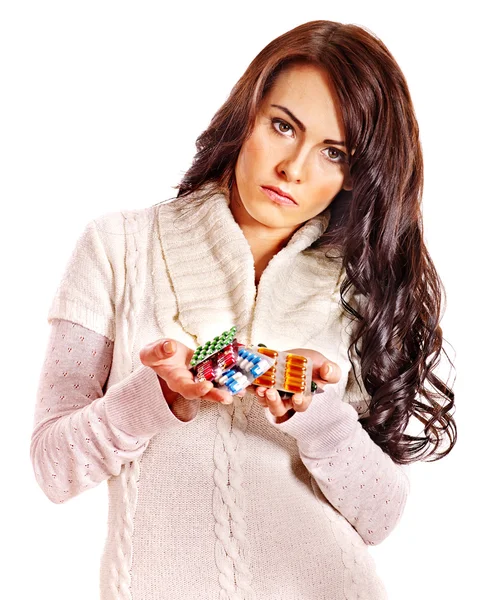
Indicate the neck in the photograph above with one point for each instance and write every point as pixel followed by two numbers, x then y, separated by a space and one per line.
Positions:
pixel 262 251
pixel 264 241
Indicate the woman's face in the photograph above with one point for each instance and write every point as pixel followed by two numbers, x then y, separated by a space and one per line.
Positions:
pixel 298 146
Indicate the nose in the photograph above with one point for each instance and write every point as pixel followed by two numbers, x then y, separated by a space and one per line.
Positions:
pixel 293 165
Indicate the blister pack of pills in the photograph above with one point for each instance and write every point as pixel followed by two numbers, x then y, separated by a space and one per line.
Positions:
pixel 290 373
pixel 227 364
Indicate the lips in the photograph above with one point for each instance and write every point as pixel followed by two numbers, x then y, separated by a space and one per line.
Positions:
pixel 280 192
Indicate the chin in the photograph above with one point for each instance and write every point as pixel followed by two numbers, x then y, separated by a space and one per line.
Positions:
pixel 268 218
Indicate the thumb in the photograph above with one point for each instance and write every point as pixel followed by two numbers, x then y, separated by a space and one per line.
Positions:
pixel 168 348
pixel 151 354
pixel 330 372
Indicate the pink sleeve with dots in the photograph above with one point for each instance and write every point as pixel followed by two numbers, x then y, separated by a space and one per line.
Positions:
pixel 81 436
pixel 355 475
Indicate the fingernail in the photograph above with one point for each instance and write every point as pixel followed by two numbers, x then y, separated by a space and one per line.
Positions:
pixel 297 400
pixel 168 347
pixel 270 394
pixel 328 370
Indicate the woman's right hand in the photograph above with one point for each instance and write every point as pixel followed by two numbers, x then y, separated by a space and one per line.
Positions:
pixel 170 360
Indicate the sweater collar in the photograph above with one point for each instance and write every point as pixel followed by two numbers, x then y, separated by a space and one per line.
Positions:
pixel 210 265
pixel 308 233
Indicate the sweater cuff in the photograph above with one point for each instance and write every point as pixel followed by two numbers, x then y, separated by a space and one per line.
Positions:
pixel 327 422
pixel 136 405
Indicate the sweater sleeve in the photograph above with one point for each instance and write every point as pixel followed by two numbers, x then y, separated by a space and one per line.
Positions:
pixel 87 288
pixel 81 436
pixel 355 475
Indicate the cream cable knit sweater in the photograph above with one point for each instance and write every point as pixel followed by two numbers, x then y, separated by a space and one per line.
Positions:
pixel 230 504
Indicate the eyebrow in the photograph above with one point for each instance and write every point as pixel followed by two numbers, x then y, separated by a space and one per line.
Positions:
pixel 302 126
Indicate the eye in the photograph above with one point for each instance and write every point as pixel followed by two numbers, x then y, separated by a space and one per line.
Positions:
pixel 334 155
pixel 337 156
pixel 283 126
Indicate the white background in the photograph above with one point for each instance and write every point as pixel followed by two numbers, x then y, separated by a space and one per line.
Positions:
pixel 101 103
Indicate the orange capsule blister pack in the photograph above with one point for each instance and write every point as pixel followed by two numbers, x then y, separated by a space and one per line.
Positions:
pixel 291 373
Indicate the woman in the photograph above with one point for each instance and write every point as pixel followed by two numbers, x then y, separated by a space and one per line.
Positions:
pixel 299 223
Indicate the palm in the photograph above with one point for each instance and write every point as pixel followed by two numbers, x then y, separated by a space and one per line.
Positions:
pixel 173 369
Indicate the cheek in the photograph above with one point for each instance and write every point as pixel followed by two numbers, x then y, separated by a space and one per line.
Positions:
pixel 254 153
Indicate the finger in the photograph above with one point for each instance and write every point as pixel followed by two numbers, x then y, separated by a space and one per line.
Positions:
pixel 300 402
pixel 275 404
pixel 152 354
pixel 330 372
pixel 259 393
pixel 188 388
pixel 216 395
pixel 204 390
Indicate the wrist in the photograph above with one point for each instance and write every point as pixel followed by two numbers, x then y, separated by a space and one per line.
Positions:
pixel 169 395
pixel 326 424
pixel 185 410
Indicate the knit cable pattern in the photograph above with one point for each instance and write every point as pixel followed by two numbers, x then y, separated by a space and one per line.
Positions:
pixel 132 292
pixel 129 476
pixel 228 505
pixel 123 532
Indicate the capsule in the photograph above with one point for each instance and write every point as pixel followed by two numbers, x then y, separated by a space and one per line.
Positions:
pixel 205 371
pixel 247 359
pixel 226 361
pixel 225 376
pixel 270 374
pixel 265 380
pixel 237 383
pixel 296 371
pixel 268 352
pixel 294 388
pixel 226 354
pixel 295 376
pixel 259 368
pixel 295 359
pixel 294 381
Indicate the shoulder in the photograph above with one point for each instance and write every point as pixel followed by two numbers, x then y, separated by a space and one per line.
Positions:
pixel 112 227
pixel 110 235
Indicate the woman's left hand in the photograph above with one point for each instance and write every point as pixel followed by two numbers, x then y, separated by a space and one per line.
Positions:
pixel 324 371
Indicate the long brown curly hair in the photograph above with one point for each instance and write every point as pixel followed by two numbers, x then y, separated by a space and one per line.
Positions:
pixel 376 229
